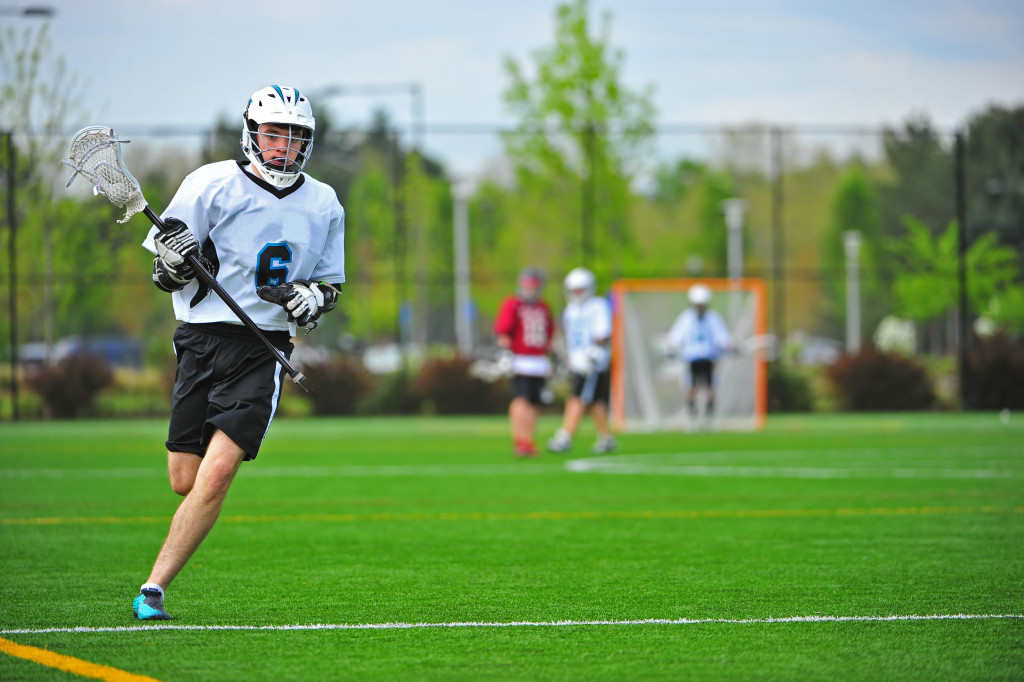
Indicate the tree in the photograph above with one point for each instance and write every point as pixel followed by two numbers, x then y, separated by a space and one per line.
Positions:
pixel 580 135
pixel 922 177
pixel 995 174
pixel 927 284
pixel 38 100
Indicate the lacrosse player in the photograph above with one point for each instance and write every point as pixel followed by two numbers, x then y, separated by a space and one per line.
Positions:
pixel 587 325
pixel 699 337
pixel 274 239
pixel 525 328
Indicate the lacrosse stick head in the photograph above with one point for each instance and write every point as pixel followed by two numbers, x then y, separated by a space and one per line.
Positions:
pixel 95 154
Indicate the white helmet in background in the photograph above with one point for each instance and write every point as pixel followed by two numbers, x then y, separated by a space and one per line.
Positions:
pixel 580 285
pixel 285 107
pixel 699 294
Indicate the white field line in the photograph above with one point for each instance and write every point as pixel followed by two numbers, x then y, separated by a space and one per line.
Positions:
pixel 255 471
pixel 678 464
pixel 600 466
pixel 522 623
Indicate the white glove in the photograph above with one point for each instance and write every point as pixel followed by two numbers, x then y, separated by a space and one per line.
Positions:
pixel 595 357
pixel 503 365
pixel 173 246
pixel 302 300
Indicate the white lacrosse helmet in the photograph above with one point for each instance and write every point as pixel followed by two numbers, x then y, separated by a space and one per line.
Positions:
pixel 579 279
pixel 699 294
pixel 289 109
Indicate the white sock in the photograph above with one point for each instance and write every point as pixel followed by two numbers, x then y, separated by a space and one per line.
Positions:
pixel 152 586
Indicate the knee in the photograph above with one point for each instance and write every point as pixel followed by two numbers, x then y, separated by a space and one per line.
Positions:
pixel 182 485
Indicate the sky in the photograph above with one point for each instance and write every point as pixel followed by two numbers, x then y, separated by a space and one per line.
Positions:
pixel 779 62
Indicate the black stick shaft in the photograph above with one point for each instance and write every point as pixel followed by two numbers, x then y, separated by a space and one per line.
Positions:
pixel 206 278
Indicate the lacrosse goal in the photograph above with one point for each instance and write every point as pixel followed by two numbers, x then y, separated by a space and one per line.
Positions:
pixel 647 383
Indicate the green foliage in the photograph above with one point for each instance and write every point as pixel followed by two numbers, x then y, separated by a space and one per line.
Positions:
pixel 928 283
pixel 789 390
pixel 69 388
pixel 921 184
pixel 994 176
pixel 578 136
pixel 872 381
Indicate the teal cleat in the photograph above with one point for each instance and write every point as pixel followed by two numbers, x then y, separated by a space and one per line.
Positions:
pixel 149 605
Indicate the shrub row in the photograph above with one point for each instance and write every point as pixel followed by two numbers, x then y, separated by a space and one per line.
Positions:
pixel 870 380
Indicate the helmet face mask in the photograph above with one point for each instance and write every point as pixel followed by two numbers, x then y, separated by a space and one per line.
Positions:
pixel 277 134
pixel 580 285
pixel 531 281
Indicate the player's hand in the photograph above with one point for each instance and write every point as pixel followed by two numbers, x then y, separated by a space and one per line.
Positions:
pixel 302 300
pixel 594 358
pixel 173 246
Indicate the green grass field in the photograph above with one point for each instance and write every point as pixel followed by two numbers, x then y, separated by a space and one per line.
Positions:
pixel 791 547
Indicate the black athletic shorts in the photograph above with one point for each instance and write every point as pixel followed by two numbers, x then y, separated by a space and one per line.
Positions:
pixel 701 372
pixel 591 388
pixel 529 387
pixel 225 380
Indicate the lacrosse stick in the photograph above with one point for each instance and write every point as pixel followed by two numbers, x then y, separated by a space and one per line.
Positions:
pixel 753 344
pixel 96 155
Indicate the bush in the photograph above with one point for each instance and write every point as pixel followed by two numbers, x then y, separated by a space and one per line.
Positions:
pixel 391 396
pixel 788 389
pixel 445 386
pixel 996 367
pixel 876 381
pixel 337 385
pixel 70 387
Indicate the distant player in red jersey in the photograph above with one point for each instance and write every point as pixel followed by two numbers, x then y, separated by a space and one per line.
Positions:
pixel 526 328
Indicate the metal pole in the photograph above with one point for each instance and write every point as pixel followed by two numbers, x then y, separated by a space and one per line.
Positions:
pixel 463 327
pixel 961 219
pixel 851 243
pixel 587 199
pixel 778 243
pixel 734 210
pixel 12 267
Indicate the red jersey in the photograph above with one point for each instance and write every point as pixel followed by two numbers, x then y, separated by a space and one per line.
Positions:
pixel 530 325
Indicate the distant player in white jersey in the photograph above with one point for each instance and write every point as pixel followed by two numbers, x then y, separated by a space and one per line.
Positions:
pixel 587 327
pixel 699 337
pixel 274 239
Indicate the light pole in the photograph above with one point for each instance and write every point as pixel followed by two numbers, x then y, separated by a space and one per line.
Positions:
pixel 734 210
pixel 461 191
pixel 12 267
pixel 851 243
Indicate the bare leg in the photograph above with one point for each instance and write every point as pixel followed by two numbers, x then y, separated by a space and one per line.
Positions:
pixel 523 417
pixel 199 510
pixel 599 413
pixel 574 409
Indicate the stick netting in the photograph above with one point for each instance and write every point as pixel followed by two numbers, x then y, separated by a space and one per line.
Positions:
pixel 96 154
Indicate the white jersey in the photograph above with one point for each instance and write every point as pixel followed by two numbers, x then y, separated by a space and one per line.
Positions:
pixel 258 235
pixel 585 325
pixel 698 338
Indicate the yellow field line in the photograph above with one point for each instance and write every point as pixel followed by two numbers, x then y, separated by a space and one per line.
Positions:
pixel 70 664
pixel 529 516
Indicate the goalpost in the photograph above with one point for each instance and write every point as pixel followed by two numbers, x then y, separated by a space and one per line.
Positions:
pixel 647 384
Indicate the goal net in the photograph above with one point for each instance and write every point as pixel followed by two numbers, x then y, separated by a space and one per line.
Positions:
pixel 648 392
